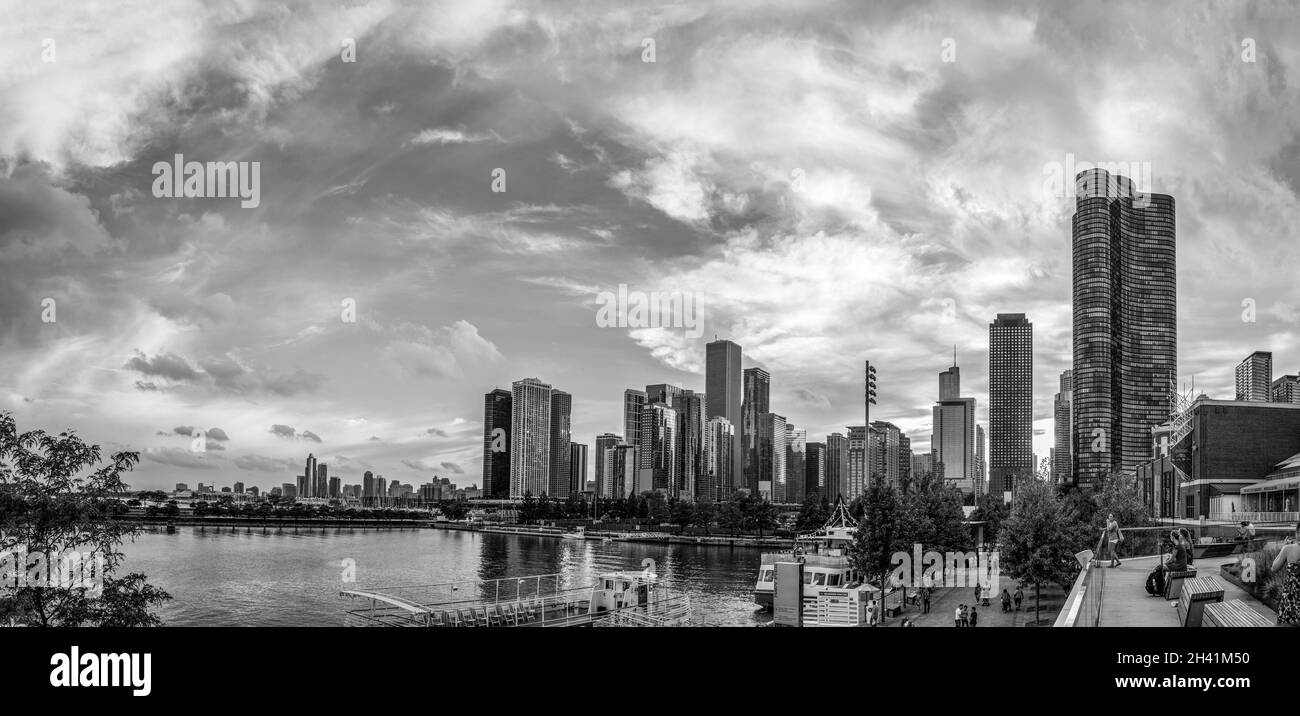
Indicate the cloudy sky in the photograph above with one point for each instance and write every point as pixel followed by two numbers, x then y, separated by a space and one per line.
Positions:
pixel 829 183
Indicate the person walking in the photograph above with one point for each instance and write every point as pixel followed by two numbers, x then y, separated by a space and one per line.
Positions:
pixel 1019 596
pixel 1006 601
pixel 974 615
pixel 925 600
pixel 1113 537
pixel 1287 564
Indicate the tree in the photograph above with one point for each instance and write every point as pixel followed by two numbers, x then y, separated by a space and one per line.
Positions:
pixel 731 516
pixel 878 535
pixel 48 506
pixel 682 513
pixel 813 513
pixel 1038 539
pixel 762 515
pixel 1119 495
pixel 993 512
pixel 706 511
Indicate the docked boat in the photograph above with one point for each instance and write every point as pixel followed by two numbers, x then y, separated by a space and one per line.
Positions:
pixel 824 554
pixel 580 533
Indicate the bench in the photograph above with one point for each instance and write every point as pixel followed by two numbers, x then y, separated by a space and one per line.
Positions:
pixel 1196 593
pixel 1174 582
pixel 896 607
pixel 1216 549
pixel 1234 613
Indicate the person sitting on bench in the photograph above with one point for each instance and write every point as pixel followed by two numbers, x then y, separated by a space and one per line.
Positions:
pixel 1178 561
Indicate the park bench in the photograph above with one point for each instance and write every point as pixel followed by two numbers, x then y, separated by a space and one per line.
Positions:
pixel 1174 582
pixel 894 604
pixel 1216 549
pixel 1196 593
pixel 435 619
pixel 1234 613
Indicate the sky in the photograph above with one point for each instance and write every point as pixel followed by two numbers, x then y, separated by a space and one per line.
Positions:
pixel 827 182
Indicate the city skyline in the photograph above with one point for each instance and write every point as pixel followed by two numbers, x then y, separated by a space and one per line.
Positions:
pixel 890 214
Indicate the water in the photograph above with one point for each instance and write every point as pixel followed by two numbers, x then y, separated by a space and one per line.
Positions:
pixel 287 577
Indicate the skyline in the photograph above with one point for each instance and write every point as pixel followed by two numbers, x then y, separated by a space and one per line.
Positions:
pixel 828 194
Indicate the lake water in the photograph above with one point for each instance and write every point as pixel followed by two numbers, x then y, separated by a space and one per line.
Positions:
pixel 287 577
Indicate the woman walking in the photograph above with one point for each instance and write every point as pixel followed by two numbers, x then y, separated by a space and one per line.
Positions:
pixel 1288 565
pixel 1113 537
pixel 1006 601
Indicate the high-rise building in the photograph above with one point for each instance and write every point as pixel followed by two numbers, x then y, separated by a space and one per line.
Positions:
pixel 289 491
pixel 1286 389
pixel 621 470
pixel 561 437
pixel 796 463
pixel 633 402
pixel 603 442
pixel 884 453
pixel 690 443
pixel 837 466
pixel 981 463
pixel 658 448
pixel 530 437
pixel 859 474
pixel 723 390
pixel 771 437
pixel 577 468
pixel 1011 401
pixel 322 486
pixel 814 476
pixel 1061 416
pixel 381 490
pixel 496 444
pixel 1255 377
pixel 755 404
pixel 239 487
pixel 367 488
pixel 1125 322
pixel 662 393
pixel 953 434
pixel 336 487
pixel 719 444
pixel 922 464
pixel 307 482
pixel 904 459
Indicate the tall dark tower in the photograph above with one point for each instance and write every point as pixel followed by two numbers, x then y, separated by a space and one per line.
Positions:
pixel 722 399
pixel 758 384
pixel 496 444
pixel 1011 401
pixel 1125 322
pixel 561 436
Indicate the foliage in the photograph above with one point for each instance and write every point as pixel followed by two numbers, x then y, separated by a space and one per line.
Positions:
pixel 56 499
pixel 1037 541
pixel 1120 495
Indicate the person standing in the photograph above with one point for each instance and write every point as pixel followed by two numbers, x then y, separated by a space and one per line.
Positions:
pixel 974 615
pixel 1287 564
pixel 925 600
pixel 1113 538
pixel 1019 596
pixel 956 617
pixel 1006 601
pixel 871 613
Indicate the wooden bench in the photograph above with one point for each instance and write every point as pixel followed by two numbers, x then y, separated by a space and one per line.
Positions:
pixel 1216 549
pixel 1234 613
pixel 1174 582
pixel 1196 593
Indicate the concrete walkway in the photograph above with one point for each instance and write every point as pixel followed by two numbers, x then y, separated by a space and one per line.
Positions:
pixel 1125 601
pixel 943 605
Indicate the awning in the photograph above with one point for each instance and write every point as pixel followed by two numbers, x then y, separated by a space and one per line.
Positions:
pixel 1290 483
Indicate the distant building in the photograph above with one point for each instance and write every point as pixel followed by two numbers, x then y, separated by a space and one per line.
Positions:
pixel 577 468
pixel 561 438
pixel 1255 377
pixel 690 442
pixel 182 487
pixel 1286 389
pixel 724 395
pixel 239 487
pixel 814 481
pixel 621 471
pixel 658 448
pixel 289 491
pixel 1011 401
pixel 953 436
pixel 771 438
pixel 885 439
pixel 603 442
pixel 796 464
pixel 1062 463
pixel 755 404
pixel 859 468
pixel 530 438
pixel 496 443
pixel 719 442
pixel 837 466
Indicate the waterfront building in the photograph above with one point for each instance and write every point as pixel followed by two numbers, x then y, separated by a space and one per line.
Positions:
pixel 496 443
pixel 530 438
pixel 1255 377
pixel 723 390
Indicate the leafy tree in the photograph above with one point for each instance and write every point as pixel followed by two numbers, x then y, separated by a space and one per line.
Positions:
pixel 731 516
pixel 879 535
pixel 681 513
pixel 993 512
pixel 813 513
pixel 528 508
pixel 706 512
pixel 762 515
pixel 1038 539
pixel 1119 495
pixel 48 506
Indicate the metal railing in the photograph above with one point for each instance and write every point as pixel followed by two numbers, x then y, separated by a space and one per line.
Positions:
pixel 1255 516
pixel 1083 604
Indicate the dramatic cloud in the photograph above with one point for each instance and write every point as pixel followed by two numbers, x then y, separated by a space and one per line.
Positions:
pixel 283 431
pixel 452 467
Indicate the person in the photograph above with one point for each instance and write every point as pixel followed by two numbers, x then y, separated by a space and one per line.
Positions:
pixel 1180 560
pixel 974 615
pixel 1006 601
pixel 1186 538
pixel 908 623
pixel 1287 564
pixel 871 613
pixel 1113 538
pixel 977 593
pixel 956 616
pixel 905 623
pixel 925 600
pixel 1019 597
pixel 984 596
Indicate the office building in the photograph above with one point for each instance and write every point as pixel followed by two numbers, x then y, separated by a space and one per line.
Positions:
pixel 837 466
pixel 561 437
pixel 1011 402
pixel 723 390
pixel 603 442
pixel 755 404
pixel 1255 377
pixel 530 438
pixel 496 444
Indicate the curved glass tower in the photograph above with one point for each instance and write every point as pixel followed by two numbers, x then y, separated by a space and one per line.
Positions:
pixel 1125 322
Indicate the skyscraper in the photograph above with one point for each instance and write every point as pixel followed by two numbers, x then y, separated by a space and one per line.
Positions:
pixel 755 404
pixel 859 472
pixel 577 468
pixel 1125 322
pixel 561 437
pixel 496 444
pixel 658 448
pixel 884 453
pixel 530 437
pixel 796 446
pixel 603 442
pixel 1011 401
pixel 837 466
pixel 771 439
pixel 1255 377
pixel 621 470
pixel 953 434
pixel 321 488
pixel 1286 389
pixel 1061 415
pixel 662 393
pixel 307 481
pixel 904 459
pixel 633 402
pixel 723 390
pixel 719 444
pixel 981 463
pixel 367 488
pixel 690 443
pixel 814 478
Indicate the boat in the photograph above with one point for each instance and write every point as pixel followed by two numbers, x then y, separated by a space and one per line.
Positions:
pixel 824 554
pixel 580 533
